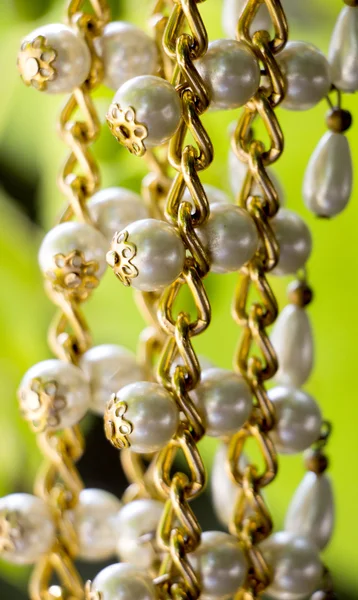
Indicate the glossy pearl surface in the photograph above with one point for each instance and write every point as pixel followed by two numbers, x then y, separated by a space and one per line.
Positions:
pixel 27 529
pixel 124 582
pixel 311 512
pixel 226 400
pixel 62 380
pixel 138 520
pixel 292 340
pixel 306 70
pixel 231 73
pixel 109 368
pixel 294 239
pixel 156 104
pixel 95 519
pixel 127 52
pixel 221 564
pixel 152 413
pixel 69 236
pixel 296 566
pixel 343 51
pixel 298 418
pixel 213 194
pixel 112 209
pixel 237 174
pixel 73 59
pixel 232 10
pixel 327 184
pixel 224 491
pixel 160 254
pixel 230 237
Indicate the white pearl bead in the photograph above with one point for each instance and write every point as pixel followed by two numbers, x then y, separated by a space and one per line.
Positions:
pixel 343 51
pixel 73 58
pixel 54 395
pixel 124 582
pixel 95 519
pixel 159 254
pixel 27 529
pixel 220 563
pixel 311 512
pixel 69 236
pixel 152 413
pixel 136 520
pixel 232 10
pixel 307 74
pixel 157 106
pixel 127 52
pixel 213 194
pixel 298 419
pixel 296 566
pixel 292 340
pixel 226 401
pixel 230 237
pixel 224 491
pixel 231 73
pixel 328 180
pixel 294 239
pixel 109 368
pixel 112 209
pixel 237 174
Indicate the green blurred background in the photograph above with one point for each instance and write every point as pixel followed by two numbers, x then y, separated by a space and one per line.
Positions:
pixel 30 155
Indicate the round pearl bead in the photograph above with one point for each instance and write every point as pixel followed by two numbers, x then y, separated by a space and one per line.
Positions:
pixel 294 239
pixel 95 519
pixel 311 512
pixel 124 581
pixel 224 491
pixel 27 529
pixel 232 11
pixel 138 520
pixel 298 417
pixel 157 106
pixel 54 395
pixel 159 254
pixel 296 566
pixel 307 74
pixel 109 368
pixel 230 237
pixel 73 58
pixel 221 564
pixel 231 73
pixel 327 184
pixel 127 52
pixel 237 174
pixel 292 340
pixel 152 413
pixel 69 236
pixel 343 51
pixel 225 399
pixel 112 209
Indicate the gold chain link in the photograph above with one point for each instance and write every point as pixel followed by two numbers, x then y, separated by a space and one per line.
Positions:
pixel 255 358
pixel 58 481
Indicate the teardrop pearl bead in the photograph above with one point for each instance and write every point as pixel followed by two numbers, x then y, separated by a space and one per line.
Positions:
pixel 221 564
pixel 112 209
pixel 294 239
pixel 232 10
pixel 292 340
pixel 231 73
pixel 124 581
pixel 127 52
pixel 95 519
pixel 224 491
pixel 343 50
pixel 109 368
pixel 327 184
pixel 237 174
pixel 298 419
pixel 138 520
pixel 27 529
pixel 306 70
pixel 296 565
pixel 311 512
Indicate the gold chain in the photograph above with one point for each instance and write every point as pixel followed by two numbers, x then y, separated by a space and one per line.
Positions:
pixel 58 481
pixel 255 524
pixel 179 531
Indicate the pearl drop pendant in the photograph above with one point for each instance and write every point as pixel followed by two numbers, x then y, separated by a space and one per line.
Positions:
pixel 343 50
